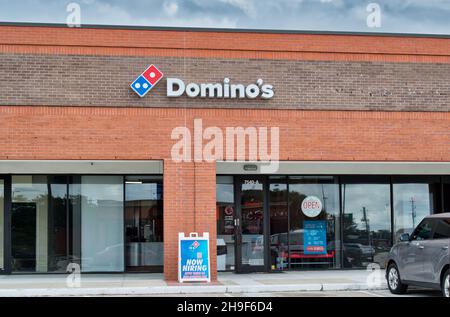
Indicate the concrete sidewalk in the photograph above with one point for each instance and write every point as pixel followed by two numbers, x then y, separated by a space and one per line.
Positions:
pixel 153 284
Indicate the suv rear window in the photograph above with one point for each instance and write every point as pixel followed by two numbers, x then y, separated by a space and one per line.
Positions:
pixel 442 230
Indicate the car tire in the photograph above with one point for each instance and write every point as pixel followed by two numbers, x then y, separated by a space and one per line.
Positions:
pixel 445 284
pixel 394 281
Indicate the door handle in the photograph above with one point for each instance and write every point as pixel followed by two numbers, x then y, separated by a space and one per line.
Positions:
pixel 445 248
pixel 421 246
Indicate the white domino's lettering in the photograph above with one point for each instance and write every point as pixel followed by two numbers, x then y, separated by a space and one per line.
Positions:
pixel 177 87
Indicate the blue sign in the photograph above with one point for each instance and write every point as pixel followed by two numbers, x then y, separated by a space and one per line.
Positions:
pixel 193 262
pixel 315 237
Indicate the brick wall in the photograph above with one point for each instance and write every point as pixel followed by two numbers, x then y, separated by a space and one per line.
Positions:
pixel 231 44
pixel 189 206
pixel 144 133
pixel 66 80
pixel 94 67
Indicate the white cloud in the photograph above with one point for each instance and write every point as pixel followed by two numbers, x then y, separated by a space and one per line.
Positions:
pixel 247 6
pixel 404 16
pixel 170 8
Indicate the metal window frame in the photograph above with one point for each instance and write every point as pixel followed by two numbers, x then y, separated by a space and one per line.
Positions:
pixel 7 246
pixel 339 178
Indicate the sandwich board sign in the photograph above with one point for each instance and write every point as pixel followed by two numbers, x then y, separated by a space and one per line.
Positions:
pixel 193 258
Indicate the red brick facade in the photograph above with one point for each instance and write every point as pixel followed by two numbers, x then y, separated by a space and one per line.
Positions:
pixel 66 132
pixel 122 42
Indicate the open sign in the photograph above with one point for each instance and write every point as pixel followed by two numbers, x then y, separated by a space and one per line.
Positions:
pixel 228 210
pixel 311 206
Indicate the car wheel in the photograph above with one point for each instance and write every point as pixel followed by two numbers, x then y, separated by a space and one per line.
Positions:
pixel 445 284
pixel 394 281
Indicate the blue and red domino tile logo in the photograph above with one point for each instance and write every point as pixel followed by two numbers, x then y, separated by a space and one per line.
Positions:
pixel 147 80
pixel 194 245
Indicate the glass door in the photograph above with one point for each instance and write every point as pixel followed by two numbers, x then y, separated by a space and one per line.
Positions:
pixel 144 224
pixel 251 244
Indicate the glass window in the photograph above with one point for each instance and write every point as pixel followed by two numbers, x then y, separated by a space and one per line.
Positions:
pixel 446 194
pixel 60 233
pixel 58 219
pixel 29 233
pixel 423 231
pixel 442 230
pixel 366 220
pixel 414 199
pixel 41 224
pixel 102 227
pixel 314 222
pixel 2 205
pixel 225 213
pixel 144 223
pixel 278 204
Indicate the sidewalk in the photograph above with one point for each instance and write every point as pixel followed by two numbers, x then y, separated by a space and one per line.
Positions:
pixel 153 284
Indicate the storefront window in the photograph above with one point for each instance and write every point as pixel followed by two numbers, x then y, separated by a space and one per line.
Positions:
pixel 57 220
pixel 225 211
pixel 2 232
pixel 60 233
pixel 366 220
pixel 314 222
pixel 279 228
pixel 41 231
pixel 309 215
pixel 102 226
pixel 446 194
pixel 414 198
pixel 144 223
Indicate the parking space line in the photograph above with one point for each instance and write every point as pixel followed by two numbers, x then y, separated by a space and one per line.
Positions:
pixel 372 294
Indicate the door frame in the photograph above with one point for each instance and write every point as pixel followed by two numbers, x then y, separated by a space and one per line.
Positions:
pixel 6 225
pixel 239 267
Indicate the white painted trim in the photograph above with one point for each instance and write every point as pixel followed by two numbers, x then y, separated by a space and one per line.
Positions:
pixel 340 168
pixel 80 167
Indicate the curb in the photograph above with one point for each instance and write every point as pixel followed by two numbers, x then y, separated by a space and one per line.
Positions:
pixel 167 290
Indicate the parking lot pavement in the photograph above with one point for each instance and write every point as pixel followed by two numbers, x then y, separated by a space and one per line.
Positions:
pixel 410 293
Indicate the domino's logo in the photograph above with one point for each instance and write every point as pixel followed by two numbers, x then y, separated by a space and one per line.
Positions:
pixel 145 82
pixel 194 245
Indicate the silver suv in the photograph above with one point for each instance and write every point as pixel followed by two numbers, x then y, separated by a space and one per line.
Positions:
pixel 421 259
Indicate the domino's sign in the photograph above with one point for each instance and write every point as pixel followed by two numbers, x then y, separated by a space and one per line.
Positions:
pixel 222 90
pixel 147 80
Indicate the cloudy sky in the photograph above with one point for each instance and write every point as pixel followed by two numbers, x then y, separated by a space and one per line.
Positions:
pixel 398 16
